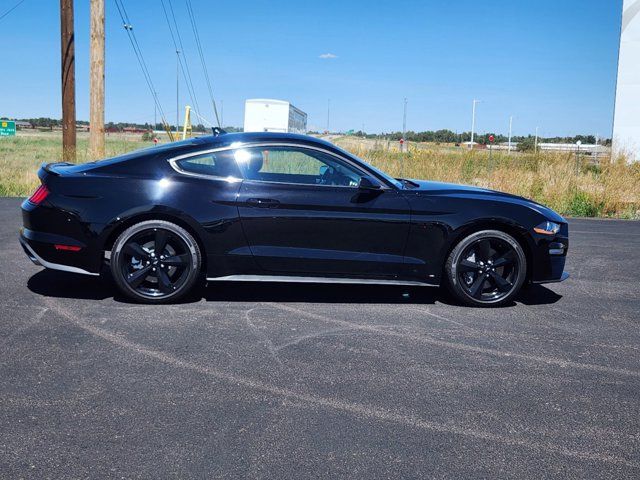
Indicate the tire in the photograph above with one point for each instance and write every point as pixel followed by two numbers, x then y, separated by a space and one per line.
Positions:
pixel 147 276
pixel 486 269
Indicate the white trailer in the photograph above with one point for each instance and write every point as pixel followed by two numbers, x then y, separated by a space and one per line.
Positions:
pixel 267 115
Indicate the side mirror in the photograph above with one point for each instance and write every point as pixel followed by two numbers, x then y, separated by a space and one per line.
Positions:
pixel 368 183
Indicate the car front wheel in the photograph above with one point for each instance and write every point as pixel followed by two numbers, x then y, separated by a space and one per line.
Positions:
pixel 155 261
pixel 486 269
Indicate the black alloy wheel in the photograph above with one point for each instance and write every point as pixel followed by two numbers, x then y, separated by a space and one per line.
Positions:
pixel 155 261
pixel 487 268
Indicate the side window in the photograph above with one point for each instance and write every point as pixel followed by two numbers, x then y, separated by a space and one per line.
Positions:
pixel 217 164
pixel 295 165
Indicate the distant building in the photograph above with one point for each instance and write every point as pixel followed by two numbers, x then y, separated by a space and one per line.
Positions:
pixel 474 145
pixel 135 130
pixel 268 115
pixel 22 125
pixel 572 147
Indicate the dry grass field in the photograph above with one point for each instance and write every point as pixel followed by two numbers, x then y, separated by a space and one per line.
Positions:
pixel 572 186
pixel 578 188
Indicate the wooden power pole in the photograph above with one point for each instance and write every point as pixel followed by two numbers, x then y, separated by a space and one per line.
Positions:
pixel 68 81
pixel 96 81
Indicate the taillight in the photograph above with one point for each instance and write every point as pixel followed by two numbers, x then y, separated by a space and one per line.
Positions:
pixel 39 195
pixel 68 248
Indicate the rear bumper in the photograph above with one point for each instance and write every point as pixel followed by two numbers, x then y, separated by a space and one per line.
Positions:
pixel 40 248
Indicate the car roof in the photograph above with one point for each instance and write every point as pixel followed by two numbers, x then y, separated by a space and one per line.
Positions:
pixel 252 137
pixel 203 142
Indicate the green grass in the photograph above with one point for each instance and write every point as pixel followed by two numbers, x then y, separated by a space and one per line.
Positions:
pixel 22 155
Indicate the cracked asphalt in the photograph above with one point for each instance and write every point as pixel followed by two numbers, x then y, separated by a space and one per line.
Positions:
pixel 310 381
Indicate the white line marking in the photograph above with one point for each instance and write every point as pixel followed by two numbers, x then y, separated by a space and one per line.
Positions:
pixel 463 346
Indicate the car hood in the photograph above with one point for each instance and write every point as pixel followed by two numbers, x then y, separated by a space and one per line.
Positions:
pixel 427 187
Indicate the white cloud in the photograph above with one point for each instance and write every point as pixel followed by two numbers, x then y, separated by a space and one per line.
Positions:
pixel 328 55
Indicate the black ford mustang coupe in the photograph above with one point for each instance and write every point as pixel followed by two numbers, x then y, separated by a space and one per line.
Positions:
pixel 283 207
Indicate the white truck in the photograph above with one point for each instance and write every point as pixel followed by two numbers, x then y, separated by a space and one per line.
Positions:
pixel 268 115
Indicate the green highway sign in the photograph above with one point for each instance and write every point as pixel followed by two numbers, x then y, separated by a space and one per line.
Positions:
pixel 7 128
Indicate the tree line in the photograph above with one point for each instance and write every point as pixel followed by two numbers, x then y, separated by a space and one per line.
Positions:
pixel 46 122
pixel 448 136
pixel 437 136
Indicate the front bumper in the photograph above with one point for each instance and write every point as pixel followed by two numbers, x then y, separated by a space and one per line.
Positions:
pixel 549 256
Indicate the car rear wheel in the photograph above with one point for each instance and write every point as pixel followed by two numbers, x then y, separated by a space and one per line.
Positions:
pixel 486 269
pixel 155 261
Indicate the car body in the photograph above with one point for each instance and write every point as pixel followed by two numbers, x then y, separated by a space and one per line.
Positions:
pixel 275 206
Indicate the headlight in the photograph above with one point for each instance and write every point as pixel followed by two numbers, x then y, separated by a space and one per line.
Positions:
pixel 547 228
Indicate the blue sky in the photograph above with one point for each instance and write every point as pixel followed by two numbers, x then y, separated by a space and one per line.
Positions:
pixel 549 63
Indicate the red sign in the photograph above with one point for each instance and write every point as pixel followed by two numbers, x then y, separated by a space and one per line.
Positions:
pixel 401 141
pixel 491 138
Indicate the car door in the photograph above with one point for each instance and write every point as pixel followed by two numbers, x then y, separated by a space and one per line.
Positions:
pixel 302 212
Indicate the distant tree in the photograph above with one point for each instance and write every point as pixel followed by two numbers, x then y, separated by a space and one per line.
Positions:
pixel 527 144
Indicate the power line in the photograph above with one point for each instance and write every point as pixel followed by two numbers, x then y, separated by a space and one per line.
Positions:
pixel 202 118
pixel 143 65
pixel 186 73
pixel 186 64
pixel 11 9
pixel 194 27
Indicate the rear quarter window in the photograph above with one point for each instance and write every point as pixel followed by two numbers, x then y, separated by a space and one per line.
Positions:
pixel 215 164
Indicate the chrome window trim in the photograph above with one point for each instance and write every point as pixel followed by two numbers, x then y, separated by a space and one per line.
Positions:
pixel 173 162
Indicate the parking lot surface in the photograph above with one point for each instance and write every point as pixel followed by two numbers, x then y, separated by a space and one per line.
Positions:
pixel 309 381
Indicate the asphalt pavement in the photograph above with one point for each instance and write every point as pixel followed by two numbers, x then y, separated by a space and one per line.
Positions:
pixel 307 381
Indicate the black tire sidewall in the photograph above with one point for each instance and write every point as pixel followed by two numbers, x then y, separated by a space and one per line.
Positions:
pixel 120 242
pixel 454 257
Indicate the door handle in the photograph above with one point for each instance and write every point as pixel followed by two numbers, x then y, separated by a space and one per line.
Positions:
pixel 263 202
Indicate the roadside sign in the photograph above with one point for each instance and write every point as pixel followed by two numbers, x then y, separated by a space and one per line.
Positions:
pixel 7 128
pixel 401 141
pixel 491 138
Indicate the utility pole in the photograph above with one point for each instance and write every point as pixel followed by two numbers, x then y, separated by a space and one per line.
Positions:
pixel 68 63
pixel 404 125
pixel 535 145
pixel 510 125
pixel 96 81
pixel 473 121
pixel 177 91
pixel 328 112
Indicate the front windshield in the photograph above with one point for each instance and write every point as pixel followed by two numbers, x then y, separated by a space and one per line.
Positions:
pixel 379 172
